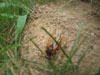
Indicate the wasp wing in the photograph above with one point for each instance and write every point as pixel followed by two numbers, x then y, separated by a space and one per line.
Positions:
pixel 51 43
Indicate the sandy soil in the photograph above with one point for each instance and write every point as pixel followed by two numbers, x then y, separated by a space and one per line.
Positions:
pixel 67 19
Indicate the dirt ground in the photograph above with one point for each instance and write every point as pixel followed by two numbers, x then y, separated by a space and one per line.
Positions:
pixel 66 18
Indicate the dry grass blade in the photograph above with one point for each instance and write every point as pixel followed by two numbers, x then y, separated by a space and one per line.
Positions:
pixel 36 45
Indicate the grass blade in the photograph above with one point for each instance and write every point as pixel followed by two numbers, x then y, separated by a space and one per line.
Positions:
pixel 9 47
pixel 20 25
pixel 6 15
pixel 73 51
pixel 2 5
pixel 82 56
pixel 36 45
pixel 76 41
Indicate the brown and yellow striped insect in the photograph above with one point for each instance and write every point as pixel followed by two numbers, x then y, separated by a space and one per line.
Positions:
pixel 52 47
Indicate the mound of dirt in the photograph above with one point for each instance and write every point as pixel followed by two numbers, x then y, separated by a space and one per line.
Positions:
pixel 68 20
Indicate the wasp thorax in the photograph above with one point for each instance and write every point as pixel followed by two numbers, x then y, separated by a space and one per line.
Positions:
pixel 49 52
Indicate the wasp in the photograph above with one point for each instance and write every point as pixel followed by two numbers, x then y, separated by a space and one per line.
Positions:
pixel 52 48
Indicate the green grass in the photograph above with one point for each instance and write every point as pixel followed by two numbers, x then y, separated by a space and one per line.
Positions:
pixel 13 17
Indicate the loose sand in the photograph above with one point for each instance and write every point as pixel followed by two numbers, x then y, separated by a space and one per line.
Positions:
pixel 67 19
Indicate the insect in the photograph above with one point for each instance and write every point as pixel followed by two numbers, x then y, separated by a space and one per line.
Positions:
pixel 52 47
